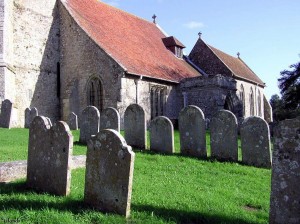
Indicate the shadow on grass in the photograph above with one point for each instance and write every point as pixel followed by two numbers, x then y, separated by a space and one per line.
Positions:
pixel 79 143
pixel 36 201
pixel 179 216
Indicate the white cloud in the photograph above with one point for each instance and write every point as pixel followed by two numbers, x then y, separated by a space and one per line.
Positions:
pixel 193 25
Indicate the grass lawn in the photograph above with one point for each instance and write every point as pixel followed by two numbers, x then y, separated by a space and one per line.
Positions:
pixel 166 189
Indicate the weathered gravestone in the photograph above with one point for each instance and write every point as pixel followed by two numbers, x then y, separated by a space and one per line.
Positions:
pixel 162 135
pixel 110 119
pixel 73 121
pixel 192 132
pixel 30 114
pixel 224 136
pixel 109 173
pixel 6 112
pixel 135 126
pixel 90 121
pixel 285 193
pixel 49 156
pixel 255 142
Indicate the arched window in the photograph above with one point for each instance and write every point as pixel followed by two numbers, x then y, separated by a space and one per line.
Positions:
pixel 251 103
pixel 94 93
pixel 259 104
pixel 158 101
pixel 242 97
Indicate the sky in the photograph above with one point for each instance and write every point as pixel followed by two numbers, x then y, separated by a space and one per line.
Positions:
pixel 266 33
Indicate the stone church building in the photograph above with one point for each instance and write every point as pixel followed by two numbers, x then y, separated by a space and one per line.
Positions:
pixel 61 56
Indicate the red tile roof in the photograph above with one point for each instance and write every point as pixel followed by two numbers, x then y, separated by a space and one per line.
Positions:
pixel 237 66
pixel 134 43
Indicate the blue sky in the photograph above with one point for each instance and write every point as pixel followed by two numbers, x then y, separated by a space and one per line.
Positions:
pixel 265 32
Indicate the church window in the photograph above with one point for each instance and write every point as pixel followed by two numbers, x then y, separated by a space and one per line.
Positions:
pixel 95 93
pixel 242 97
pixel 259 103
pixel 158 101
pixel 251 103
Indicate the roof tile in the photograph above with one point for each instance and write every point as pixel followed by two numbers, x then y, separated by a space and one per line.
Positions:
pixel 133 42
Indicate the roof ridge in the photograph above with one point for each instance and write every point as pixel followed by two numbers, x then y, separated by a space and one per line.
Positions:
pixel 123 11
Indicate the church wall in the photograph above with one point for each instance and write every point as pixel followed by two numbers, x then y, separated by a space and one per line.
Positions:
pixel 32 51
pixel 81 59
pixel 210 93
pixel 247 105
pixel 142 95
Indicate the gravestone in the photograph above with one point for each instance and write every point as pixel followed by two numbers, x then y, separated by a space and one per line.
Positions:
pixel 255 142
pixel 90 122
pixel 6 113
pixel 110 119
pixel 285 194
pixel 192 132
pixel 224 136
pixel 49 156
pixel 73 121
pixel 30 114
pixel 162 135
pixel 135 126
pixel 109 173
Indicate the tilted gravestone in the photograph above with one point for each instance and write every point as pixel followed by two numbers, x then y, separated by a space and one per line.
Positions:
pixel 255 142
pixel 110 119
pixel 224 136
pixel 90 122
pixel 109 173
pixel 73 121
pixel 192 132
pixel 135 126
pixel 49 156
pixel 6 113
pixel 30 114
pixel 285 194
pixel 162 135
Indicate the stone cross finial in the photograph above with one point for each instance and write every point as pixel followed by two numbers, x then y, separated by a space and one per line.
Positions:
pixel 154 17
pixel 238 54
pixel 199 34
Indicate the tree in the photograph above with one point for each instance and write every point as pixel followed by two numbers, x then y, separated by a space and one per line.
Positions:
pixel 289 85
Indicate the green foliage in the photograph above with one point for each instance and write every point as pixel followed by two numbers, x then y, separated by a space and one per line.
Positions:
pixel 289 84
pixel 166 189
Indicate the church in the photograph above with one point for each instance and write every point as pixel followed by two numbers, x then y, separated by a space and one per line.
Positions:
pixel 63 55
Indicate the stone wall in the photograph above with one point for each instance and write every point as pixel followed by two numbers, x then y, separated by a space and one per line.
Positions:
pixel 202 56
pixel 210 94
pixel 131 94
pixel 82 59
pixel 33 52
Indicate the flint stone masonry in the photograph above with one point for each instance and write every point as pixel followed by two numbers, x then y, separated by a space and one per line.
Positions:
pixel 255 142
pixel 285 194
pixel 192 132
pixel 224 136
pixel 90 122
pixel 49 156
pixel 110 119
pixel 135 126
pixel 6 113
pixel 73 121
pixel 109 173
pixel 162 135
pixel 30 114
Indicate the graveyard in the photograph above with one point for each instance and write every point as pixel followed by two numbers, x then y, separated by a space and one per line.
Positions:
pixel 200 173
pixel 166 189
